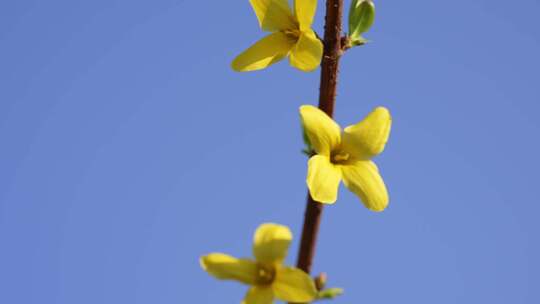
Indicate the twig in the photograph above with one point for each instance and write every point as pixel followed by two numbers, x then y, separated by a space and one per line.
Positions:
pixel 327 98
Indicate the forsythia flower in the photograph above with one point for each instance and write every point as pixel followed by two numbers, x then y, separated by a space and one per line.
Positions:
pixel 346 156
pixel 291 34
pixel 267 275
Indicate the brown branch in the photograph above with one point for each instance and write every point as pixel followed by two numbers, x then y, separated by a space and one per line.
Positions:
pixel 327 98
pixel 332 52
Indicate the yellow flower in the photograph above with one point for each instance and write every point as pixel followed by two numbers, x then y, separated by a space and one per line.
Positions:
pixel 291 34
pixel 267 275
pixel 346 155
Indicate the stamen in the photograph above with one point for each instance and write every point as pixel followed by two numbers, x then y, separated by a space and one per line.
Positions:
pixel 340 157
pixel 293 34
pixel 265 275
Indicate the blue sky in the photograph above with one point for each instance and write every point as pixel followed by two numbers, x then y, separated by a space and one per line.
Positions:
pixel 129 148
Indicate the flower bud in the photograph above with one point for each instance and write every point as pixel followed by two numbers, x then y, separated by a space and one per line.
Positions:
pixel 361 17
pixel 320 281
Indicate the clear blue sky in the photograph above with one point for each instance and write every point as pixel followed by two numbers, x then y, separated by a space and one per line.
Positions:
pixel 128 148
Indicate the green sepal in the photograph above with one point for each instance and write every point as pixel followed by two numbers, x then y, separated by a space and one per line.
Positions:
pixel 361 17
pixel 308 149
pixel 330 293
pixel 359 41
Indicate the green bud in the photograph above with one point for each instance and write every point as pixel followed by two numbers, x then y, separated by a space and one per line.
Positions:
pixel 330 293
pixel 361 17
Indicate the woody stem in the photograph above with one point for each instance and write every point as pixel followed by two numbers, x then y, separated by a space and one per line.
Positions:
pixel 327 98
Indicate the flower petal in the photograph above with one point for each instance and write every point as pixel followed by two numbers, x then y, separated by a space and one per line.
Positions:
pixel 271 243
pixel 322 131
pixel 293 285
pixel 225 267
pixel 307 53
pixel 305 11
pixel 264 53
pixel 259 295
pixel 368 137
pixel 363 179
pixel 323 179
pixel 273 15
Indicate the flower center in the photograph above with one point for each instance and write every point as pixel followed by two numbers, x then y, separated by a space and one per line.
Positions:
pixel 339 157
pixel 265 274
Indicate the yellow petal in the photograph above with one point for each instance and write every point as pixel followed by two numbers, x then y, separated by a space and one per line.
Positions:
pixel 305 11
pixel 293 285
pixel 226 267
pixel 323 179
pixel 322 131
pixel 259 295
pixel 273 15
pixel 271 243
pixel 363 179
pixel 307 53
pixel 368 137
pixel 264 53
